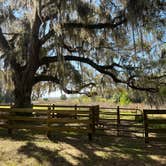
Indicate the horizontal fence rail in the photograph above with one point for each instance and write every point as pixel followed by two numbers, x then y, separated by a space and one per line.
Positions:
pixel 121 121
pixel 53 118
pixel 155 125
pixel 88 119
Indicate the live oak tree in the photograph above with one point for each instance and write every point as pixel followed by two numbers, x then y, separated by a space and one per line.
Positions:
pixel 68 42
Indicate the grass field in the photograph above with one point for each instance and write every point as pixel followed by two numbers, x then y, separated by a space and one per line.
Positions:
pixel 35 149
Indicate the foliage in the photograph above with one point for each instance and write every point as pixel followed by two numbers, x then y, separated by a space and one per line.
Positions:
pixel 163 91
pixel 100 99
pixel 136 96
pixel 6 98
pixel 124 99
pixel 40 90
pixel 63 97
pixel 45 99
pixel 85 99
pixel 81 46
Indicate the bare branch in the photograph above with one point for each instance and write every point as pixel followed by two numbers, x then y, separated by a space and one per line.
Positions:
pixel 11 34
pixel 46 78
pixel 78 90
pixel 36 25
pixel 72 49
pixel 47 37
pixel 54 79
pixel 64 45
pixel 101 68
pixel 110 25
pixel 51 16
pixel 104 69
pixel 141 88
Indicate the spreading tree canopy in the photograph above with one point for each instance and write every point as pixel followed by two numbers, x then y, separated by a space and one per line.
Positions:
pixel 68 42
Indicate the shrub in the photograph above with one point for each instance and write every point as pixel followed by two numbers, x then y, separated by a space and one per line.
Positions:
pixel 63 97
pixel 124 99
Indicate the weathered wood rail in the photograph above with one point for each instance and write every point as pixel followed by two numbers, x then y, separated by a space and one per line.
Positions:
pixel 155 125
pixel 90 120
pixel 121 121
pixel 51 118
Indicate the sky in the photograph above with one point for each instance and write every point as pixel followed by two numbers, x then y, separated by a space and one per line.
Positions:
pixel 53 94
pixel 57 94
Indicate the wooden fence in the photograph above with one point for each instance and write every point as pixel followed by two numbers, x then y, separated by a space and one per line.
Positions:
pixel 51 118
pixel 119 121
pixel 90 120
pixel 155 125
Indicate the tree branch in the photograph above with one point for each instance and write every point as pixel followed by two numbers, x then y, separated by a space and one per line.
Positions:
pixel 108 25
pixel 142 88
pixel 57 81
pixel 46 37
pixel 51 16
pixel 101 68
pixel 64 45
pixel 70 91
pixel 4 45
pixel 104 69
pixel 36 25
pixel 111 25
pixel 72 49
pixel 46 78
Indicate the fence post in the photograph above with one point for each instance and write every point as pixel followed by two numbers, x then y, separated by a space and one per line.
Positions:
pixel 75 108
pixel 10 130
pixel 53 108
pixel 146 126
pixel 97 113
pixel 48 123
pixel 11 105
pixel 118 120
pixel 92 122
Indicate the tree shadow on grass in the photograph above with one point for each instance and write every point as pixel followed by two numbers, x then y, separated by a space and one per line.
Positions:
pixel 21 135
pixel 42 155
pixel 104 151
pixel 116 151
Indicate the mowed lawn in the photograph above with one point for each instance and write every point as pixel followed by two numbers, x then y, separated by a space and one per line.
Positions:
pixel 27 148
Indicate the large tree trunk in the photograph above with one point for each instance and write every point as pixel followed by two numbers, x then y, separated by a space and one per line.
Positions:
pixel 23 77
pixel 22 95
pixel 23 89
